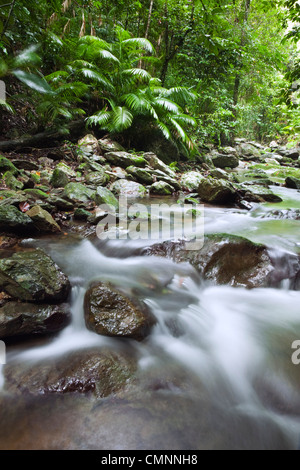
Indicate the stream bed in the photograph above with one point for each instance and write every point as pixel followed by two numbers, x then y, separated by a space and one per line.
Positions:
pixel 216 371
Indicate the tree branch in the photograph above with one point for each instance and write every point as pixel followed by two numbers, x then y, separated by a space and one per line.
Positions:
pixel 8 18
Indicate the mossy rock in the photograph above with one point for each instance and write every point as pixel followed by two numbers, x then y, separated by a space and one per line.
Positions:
pixel 106 197
pixel 32 276
pixel 7 165
pixel 12 219
pixel 162 188
pixel 11 181
pixel 78 192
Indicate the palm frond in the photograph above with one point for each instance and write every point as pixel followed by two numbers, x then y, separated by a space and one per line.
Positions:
pixel 96 77
pixel 167 104
pixel 181 95
pixel 100 119
pixel 57 76
pixel 95 41
pixel 139 73
pixel 184 119
pixel 165 130
pixel 179 132
pixel 104 54
pixel 140 43
pixel 139 104
pixel 121 119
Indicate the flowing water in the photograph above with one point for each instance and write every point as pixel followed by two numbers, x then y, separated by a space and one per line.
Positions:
pixel 216 371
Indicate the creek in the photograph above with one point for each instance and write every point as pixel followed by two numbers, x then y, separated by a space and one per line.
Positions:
pixel 216 371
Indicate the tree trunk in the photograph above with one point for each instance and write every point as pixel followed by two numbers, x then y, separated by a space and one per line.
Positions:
pixel 237 80
pixel 44 139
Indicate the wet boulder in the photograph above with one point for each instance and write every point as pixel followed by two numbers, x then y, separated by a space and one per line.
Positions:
pixel 190 180
pixel 89 143
pixel 162 176
pixel 216 191
pixel 20 319
pixel 32 276
pixel 262 192
pixel 108 145
pixel 248 151
pixel 231 260
pixel 11 181
pixel 97 373
pixel 7 165
pixel 110 312
pixel 97 178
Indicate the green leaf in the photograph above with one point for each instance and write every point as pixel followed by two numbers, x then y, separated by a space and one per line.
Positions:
pixel 33 81
pixel 121 119
pixel 27 57
pixel 140 43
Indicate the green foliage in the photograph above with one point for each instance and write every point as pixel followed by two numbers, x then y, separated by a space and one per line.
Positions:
pixel 224 63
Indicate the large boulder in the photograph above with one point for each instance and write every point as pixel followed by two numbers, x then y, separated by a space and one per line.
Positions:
pixel 124 159
pixel 225 161
pixel 32 276
pixel 109 312
pixel 128 188
pixel 97 373
pixel 19 319
pixel 42 220
pixel 293 154
pixel 77 192
pixel 262 192
pixel 216 191
pixel 11 219
pixel 190 180
pixel 248 151
pixel 231 260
